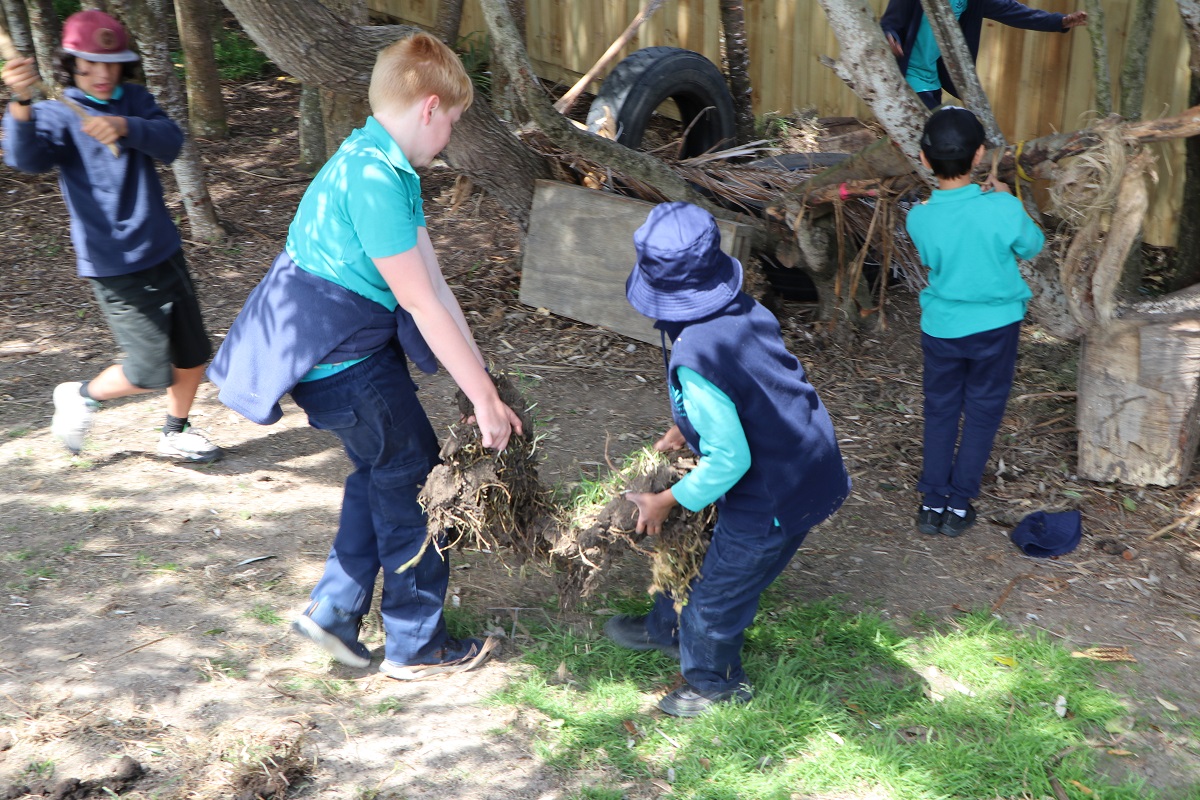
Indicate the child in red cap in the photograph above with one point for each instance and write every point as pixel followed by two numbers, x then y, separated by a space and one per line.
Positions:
pixel 126 243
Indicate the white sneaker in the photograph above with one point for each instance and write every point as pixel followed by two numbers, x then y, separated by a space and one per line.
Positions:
pixel 72 415
pixel 189 445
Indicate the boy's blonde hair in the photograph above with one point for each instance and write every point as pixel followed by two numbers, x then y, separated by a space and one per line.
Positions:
pixel 414 68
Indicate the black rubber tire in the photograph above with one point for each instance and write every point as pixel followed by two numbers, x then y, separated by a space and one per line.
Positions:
pixel 647 77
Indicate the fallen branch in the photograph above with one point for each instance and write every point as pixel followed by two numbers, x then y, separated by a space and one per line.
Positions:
pixel 567 100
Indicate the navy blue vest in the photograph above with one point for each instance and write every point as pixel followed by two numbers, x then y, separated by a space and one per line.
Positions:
pixel 796 471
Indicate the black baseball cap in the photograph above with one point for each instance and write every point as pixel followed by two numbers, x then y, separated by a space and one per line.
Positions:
pixel 952 133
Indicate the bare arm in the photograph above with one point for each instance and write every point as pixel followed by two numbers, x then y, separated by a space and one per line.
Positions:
pixel 425 246
pixel 408 276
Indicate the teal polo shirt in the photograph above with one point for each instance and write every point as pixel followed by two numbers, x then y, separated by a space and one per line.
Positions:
pixel 970 240
pixel 922 73
pixel 365 203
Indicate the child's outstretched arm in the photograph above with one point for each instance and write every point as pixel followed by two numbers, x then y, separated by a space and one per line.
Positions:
pixel 425 245
pixel 408 277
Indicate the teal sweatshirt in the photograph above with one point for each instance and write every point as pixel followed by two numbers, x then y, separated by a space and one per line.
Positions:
pixel 723 445
pixel 970 241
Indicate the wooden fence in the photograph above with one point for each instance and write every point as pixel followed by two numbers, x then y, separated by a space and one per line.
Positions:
pixel 1038 83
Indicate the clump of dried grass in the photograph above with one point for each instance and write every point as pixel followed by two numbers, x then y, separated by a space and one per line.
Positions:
pixel 479 499
pixel 599 523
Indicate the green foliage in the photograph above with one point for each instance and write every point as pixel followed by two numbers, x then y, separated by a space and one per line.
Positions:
pixel 842 702
pixel 264 614
pixel 65 8
pixel 473 49
pixel 237 57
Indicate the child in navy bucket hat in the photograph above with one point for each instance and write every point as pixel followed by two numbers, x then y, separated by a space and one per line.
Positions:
pixel 769 458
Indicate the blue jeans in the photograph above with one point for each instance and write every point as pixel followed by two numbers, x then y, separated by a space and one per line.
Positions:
pixel 372 408
pixel 967 381
pixel 722 602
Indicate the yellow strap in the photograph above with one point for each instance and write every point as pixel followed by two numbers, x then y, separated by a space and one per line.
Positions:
pixel 1022 175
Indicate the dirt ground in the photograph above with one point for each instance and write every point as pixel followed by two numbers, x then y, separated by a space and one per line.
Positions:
pixel 145 603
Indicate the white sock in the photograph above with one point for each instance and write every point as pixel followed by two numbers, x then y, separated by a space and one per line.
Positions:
pixel 934 510
pixel 959 512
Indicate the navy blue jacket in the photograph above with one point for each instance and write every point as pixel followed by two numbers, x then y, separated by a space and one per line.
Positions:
pixel 119 222
pixel 902 19
pixel 796 472
pixel 294 320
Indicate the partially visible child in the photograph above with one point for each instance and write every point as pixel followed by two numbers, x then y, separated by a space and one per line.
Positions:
pixel 769 458
pixel 970 237
pixel 356 289
pixel 126 243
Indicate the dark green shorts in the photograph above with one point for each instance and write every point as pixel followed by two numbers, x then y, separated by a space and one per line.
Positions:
pixel 155 317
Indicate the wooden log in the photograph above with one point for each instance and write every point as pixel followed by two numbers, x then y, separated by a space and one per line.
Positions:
pixel 1139 393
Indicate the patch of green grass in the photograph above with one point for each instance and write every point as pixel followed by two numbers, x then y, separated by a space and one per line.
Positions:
pixel 40 572
pixel 238 58
pixel 326 687
pixel 264 614
pixel 19 555
pixel 223 667
pixel 39 769
pixel 98 508
pixel 842 701
pixel 168 566
pixel 388 706
pixel 59 508
pixel 17 433
pixel 144 561
pixel 462 623
pixel 70 547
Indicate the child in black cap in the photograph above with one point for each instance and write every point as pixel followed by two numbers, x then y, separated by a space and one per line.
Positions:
pixel 769 457
pixel 970 237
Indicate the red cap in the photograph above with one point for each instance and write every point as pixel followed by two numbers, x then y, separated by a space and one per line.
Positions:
pixel 95 36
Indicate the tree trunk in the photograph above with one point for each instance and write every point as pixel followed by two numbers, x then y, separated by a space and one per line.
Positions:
pixel 45 31
pixel 1189 12
pixel 957 58
pixel 867 66
pixel 18 30
pixel 449 20
pixel 206 106
pixel 1100 65
pixel 341 113
pixel 312 129
pixel 342 59
pixel 148 23
pixel 737 60
pixel 1137 48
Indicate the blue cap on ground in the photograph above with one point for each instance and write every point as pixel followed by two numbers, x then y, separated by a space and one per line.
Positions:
pixel 1043 534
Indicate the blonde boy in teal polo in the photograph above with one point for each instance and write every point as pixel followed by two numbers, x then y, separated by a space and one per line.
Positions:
pixel 332 321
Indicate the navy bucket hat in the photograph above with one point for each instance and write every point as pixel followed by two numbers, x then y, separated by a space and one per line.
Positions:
pixel 681 273
pixel 1043 534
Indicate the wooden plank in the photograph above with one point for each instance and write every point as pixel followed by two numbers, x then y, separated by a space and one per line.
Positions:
pixel 579 251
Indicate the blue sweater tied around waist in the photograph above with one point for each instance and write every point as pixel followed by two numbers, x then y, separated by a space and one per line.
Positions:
pixel 294 320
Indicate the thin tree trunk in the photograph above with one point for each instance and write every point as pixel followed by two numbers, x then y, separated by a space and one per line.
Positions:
pixel 1137 49
pixel 148 22
pixel 341 113
pixel 567 100
pixel 18 29
pixel 449 20
pixel 45 31
pixel 1189 12
pixel 1185 260
pixel 512 59
pixel 957 58
pixel 312 129
pixel 1100 65
pixel 867 66
pixel 206 106
pixel 737 59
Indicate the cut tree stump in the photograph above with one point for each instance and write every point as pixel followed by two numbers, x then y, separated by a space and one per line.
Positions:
pixel 579 251
pixel 1139 393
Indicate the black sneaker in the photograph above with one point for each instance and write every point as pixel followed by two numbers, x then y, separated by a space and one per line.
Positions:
pixel 954 525
pixel 930 521
pixel 688 701
pixel 631 632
